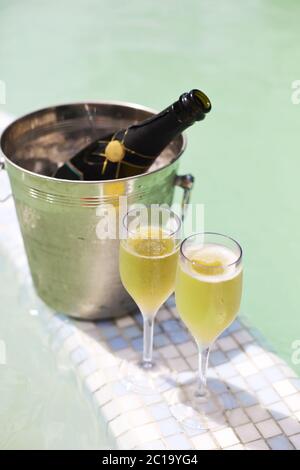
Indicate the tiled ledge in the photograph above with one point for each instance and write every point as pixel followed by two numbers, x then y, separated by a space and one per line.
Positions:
pixel 262 391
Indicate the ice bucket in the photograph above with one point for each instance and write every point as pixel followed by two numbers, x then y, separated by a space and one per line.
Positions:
pixel 74 271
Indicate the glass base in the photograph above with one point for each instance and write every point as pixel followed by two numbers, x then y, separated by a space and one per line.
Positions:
pixel 144 378
pixel 197 412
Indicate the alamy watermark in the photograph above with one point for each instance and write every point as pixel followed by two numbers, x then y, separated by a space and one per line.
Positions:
pixel 111 217
pixel 2 92
pixel 295 358
pixel 295 96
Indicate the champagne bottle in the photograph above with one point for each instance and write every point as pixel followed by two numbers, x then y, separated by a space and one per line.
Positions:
pixel 131 151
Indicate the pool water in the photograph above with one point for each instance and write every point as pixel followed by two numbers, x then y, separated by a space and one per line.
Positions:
pixel 41 406
pixel 244 155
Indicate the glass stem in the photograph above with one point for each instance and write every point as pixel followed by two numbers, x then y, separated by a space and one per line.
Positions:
pixel 202 372
pixel 148 341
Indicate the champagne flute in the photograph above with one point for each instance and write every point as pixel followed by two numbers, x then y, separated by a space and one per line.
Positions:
pixel 148 263
pixel 208 294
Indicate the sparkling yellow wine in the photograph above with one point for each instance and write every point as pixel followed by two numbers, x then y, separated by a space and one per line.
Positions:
pixel 148 268
pixel 208 294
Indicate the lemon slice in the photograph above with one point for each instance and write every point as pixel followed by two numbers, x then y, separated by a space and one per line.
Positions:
pixel 210 268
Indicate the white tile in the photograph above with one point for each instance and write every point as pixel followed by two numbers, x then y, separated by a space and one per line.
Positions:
pixel 148 433
pixel 128 354
pixel 119 425
pixel 129 403
pixel 128 440
pixel 190 432
pixel 164 314
pixel 94 381
pixel 169 352
pixel 92 337
pixel 268 428
pixel 284 387
pixel 217 424
pixel 55 323
pixel 235 447
pixel 160 411
pixel 279 410
pixel 84 325
pixel 237 417
pixel 110 411
pixel 280 442
pixel 242 336
pixel 188 349
pixel 296 383
pixel 164 383
pixel 112 374
pixel 154 445
pixel 102 396
pixel 260 444
pixel 276 358
pixel 87 368
pixel 288 372
pixel 227 343
pixel 178 442
pixel 262 361
pixel 273 373
pixel 226 370
pixel 204 442
pixel 257 413
pixel 211 373
pixel 151 399
pixel 237 383
pixel 246 368
pixel 138 417
pixel 108 361
pixel 247 432
pixel 290 426
pixel 238 357
pixel 78 355
pixel 226 437
pixel 293 401
pixel 185 377
pixel 125 321
pixel 252 349
pixel 178 364
pixel 193 361
pixel 71 343
pixel 169 426
pixel 296 441
pixel 267 396
pixel 257 382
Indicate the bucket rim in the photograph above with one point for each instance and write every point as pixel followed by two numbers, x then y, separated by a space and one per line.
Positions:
pixel 85 102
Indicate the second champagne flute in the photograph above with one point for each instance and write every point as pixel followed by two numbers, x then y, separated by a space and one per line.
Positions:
pixel 208 294
pixel 148 262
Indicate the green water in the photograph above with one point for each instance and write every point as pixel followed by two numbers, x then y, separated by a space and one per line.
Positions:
pixel 245 55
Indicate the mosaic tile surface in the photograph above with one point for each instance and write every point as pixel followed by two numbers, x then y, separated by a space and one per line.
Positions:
pixel 261 393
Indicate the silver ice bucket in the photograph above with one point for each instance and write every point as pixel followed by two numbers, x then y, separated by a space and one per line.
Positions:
pixel 73 270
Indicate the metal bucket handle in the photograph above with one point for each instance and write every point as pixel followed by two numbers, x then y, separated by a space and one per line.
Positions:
pixel 186 182
pixel 2 167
